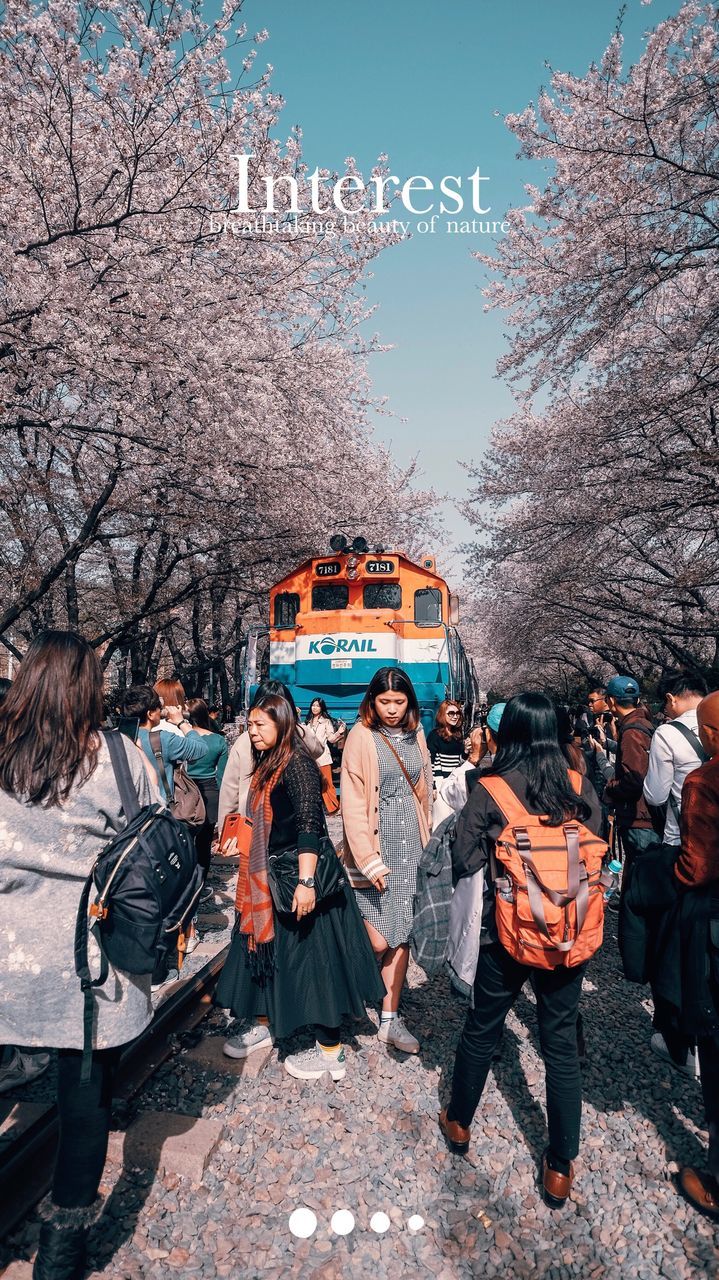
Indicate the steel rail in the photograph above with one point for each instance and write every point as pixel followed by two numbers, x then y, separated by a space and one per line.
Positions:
pixel 26 1169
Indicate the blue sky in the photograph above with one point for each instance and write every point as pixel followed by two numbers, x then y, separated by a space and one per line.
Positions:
pixel 422 81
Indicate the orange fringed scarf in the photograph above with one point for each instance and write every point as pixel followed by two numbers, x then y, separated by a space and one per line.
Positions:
pixel 253 900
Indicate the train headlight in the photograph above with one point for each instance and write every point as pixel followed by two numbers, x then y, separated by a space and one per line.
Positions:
pixel 352 565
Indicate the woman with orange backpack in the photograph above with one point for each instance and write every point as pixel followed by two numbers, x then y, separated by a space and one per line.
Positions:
pixel 533 826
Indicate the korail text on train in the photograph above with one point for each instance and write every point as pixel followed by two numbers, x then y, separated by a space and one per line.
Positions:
pixel 336 619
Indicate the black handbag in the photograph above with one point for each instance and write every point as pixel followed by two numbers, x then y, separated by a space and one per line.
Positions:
pixel 283 873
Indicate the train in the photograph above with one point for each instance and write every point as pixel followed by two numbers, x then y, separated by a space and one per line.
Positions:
pixel 336 619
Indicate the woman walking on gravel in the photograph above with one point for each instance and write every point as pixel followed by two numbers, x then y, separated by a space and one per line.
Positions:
pixel 321 724
pixel 311 965
pixel 386 790
pixel 59 808
pixel 529 761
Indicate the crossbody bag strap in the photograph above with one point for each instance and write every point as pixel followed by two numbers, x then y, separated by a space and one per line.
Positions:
pixel 397 757
pixel 156 744
pixel 691 737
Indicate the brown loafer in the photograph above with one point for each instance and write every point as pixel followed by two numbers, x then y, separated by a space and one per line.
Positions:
pixel 557 1186
pixel 701 1190
pixel 455 1135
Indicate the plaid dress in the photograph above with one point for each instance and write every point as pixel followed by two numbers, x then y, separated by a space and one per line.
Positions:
pixel 391 912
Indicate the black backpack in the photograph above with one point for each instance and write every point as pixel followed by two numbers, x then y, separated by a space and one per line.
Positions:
pixel 146 882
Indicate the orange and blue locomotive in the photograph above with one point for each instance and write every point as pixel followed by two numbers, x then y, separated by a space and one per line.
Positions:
pixel 335 620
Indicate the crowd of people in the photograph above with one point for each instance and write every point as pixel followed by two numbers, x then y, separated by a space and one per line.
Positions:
pixel 538 805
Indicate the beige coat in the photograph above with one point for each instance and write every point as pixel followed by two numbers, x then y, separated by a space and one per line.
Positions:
pixel 238 772
pixel 359 796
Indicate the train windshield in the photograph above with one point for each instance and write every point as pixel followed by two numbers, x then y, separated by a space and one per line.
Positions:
pixel 382 595
pixel 428 607
pixel 287 606
pixel 330 595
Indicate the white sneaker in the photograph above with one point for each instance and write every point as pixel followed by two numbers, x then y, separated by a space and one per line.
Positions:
pixel 191 943
pixel 256 1036
pixel 395 1032
pixel 23 1068
pixel 312 1064
pixel 659 1046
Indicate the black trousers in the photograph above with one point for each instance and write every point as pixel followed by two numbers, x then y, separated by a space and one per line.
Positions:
pixel 708 1047
pixel 85 1112
pixel 497 984
pixel 205 834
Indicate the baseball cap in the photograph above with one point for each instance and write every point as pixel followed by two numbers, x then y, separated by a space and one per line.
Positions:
pixel 621 687
pixel 494 715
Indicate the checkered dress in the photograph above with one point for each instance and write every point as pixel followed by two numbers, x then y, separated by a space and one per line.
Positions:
pixel 391 912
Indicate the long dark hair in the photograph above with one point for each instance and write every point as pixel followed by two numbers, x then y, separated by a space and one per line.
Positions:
pixel 49 720
pixel 398 681
pixel 198 714
pixel 527 740
pixel 267 763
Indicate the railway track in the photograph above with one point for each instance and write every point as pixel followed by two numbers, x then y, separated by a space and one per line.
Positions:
pixel 26 1168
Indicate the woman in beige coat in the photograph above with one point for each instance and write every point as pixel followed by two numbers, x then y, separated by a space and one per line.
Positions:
pixel 386 793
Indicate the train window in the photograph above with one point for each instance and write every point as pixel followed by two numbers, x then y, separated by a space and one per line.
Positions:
pixel 428 607
pixel 287 606
pixel 330 595
pixel 382 595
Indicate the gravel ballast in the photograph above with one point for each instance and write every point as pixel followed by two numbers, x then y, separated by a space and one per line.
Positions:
pixel 371 1144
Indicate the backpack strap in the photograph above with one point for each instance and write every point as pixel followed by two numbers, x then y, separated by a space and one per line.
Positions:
pixel 123 777
pixel 87 982
pixel 156 744
pixel 507 800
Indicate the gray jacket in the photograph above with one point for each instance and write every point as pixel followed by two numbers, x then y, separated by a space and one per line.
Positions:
pixel 45 857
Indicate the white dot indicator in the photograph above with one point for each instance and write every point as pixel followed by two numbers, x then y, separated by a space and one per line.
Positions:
pixel 415 1223
pixel 342 1222
pixel 303 1223
pixel 380 1223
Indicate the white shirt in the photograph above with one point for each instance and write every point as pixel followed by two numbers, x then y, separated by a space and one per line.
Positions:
pixel 671 758
pixel 451 795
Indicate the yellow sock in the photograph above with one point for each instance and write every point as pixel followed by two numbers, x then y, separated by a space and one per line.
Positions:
pixel 262 1020
pixel 329 1048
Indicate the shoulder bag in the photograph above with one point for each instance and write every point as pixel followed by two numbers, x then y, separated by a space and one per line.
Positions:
pixel 283 873
pixel 186 802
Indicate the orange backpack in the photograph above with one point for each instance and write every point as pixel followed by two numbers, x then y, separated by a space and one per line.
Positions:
pixel 549 898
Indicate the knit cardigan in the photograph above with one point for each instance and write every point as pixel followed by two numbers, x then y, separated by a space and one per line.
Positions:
pixel 361 850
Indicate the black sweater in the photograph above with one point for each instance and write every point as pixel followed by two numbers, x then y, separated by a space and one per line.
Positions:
pixel 297 813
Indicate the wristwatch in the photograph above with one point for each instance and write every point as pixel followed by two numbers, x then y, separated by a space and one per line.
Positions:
pixel 184 720
pixel 309 883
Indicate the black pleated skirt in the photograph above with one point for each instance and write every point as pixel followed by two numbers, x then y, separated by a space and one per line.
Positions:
pixel 325 969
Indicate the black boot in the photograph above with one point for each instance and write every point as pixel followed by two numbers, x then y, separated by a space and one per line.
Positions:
pixel 63 1241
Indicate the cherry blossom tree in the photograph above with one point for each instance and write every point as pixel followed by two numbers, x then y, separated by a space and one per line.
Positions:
pixel 183 408
pixel 597 501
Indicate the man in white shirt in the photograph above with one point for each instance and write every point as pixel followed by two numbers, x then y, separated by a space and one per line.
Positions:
pixel 675 749
pixel 675 752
